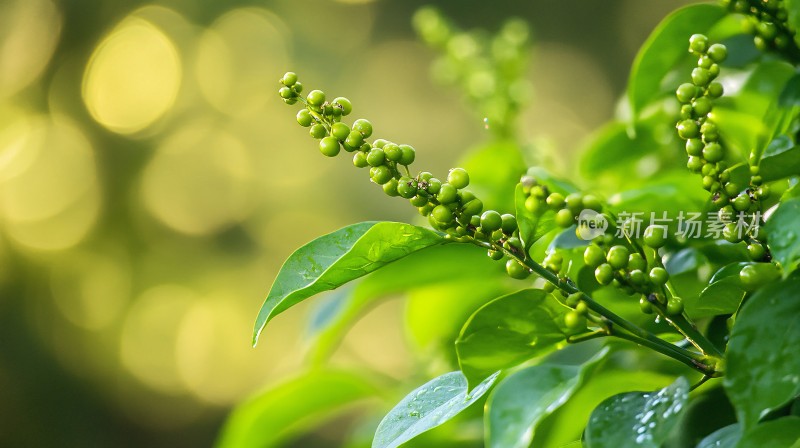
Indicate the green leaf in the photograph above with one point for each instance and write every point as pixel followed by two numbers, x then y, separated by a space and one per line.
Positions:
pixel 276 414
pixel 332 260
pixel 637 418
pixel 763 369
pixel 722 296
pixel 781 159
pixel 783 228
pixel 617 144
pixel 437 265
pixel 727 437
pixel 781 433
pixel 510 330
pixel 790 95
pixel 523 399
pixel 494 170
pixel 666 46
pixel 427 407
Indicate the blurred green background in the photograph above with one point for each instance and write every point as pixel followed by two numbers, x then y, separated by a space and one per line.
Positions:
pixel 152 183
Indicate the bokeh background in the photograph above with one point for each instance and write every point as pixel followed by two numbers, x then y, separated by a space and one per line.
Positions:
pixel 152 183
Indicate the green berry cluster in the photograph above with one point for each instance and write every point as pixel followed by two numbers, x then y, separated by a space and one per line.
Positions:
pixel 706 152
pixel 539 200
pixel 766 20
pixel 490 71
pixel 449 207
pixel 627 267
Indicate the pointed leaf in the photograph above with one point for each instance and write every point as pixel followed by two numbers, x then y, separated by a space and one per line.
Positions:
pixel 666 46
pixel 784 230
pixel 524 398
pixel 642 419
pixel 274 415
pixel 510 330
pixel 763 369
pixel 427 407
pixel 781 433
pixel 727 437
pixel 332 260
pixel 723 295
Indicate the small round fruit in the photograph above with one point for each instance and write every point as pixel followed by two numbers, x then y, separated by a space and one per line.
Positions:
pixel 434 185
pixel 564 218
pixel 393 152
pixel 756 251
pixel 694 147
pixel 574 202
pixel 380 174
pixel 655 236
pixel 329 146
pixel 376 157
pixel 674 306
pixel 447 194
pixel 659 276
pixel 591 202
pixel 360 160
pixel 688 129
pixel 555 200
pixel 636 261
pixel 317 131
pixel 442 214
pixel 698 43
pixel 594 256
pixel 604 274
pixel 289 79
pixel 472 208
pixel 407 188
pixel 458 178
pixel 407 155
pixel 742 202
pixel 491 221
pixel 344 104
pixel 713 152
pixel 717 52
pixel 495 254
pixel 700 77
pixel 645 305
pixel 534 205
pixel 715 90
pixel 304 118
pixel 618 257
pixel 574 321
pixel 509 224
pixel 686 92
pixel 516 270
pixel 354 139
pixel 755 275
pixel 363 126
pixel 390 188
pixel 316 98
pixel 340 131
pixel 637 277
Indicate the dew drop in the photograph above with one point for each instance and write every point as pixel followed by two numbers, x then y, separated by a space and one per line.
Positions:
pixel 486 122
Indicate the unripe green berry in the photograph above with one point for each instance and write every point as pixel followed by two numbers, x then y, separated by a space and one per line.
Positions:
pixel 304 118
pixel 548 287
pixel 709 132
pixel 363 126
pixel 458 178
pixel 702 106
pixel 340 131
pixel 360 160
pixel 637 277
pixel 344 104
pixel 686 92
pixel 491 221
pixel 286 93
pixel 534 205
pixel 715 90
pixel 419 201
pixel 618 257
pixel 434 185
pixel 376 157
pixel 688 129
pixel 354 139
pixel 731 233
pixel 318 131
pixel 574 202
pixel 655 236
pixel 591 202
pixel 380 174
pixel 604 274
pixel 674 306
pixel 704 62
pixel 636 261
pixel 329 146
pixel 731 189
pixel 495 254
pixel 390 188
pixel 594 256
pixel 694 147
pixel 645 306
pixel 289 79
pixel 742 202
pixel 755 275
pixel 658 276
pixel 316 98
pixel 447 194
pixel 555 200
pixel 406 187
pixel 407 155
pixel 442 214
pixel 574 321
pixel 695 164
pixel 698 43
pixel 756 251
pixel 473 207
pixel 573 299
pixel 516 270
pixel 509 223
pixel 700 77
pixel 564 218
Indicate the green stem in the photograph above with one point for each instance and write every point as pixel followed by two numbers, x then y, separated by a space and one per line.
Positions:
pixel 685 358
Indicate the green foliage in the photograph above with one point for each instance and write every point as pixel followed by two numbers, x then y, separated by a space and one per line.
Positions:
pixel 579 268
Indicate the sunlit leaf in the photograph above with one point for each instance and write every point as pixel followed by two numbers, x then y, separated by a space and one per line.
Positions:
pixel 722 296
pixel 332 260
pixel 727 437
pixel 780 159
pixel 508 331
pixel 784 230
pixel 427 407
pixel 663 49
pixel 494 170
pixel 520 401
pixel 763 369
pixel 642 419
pixel 269 418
